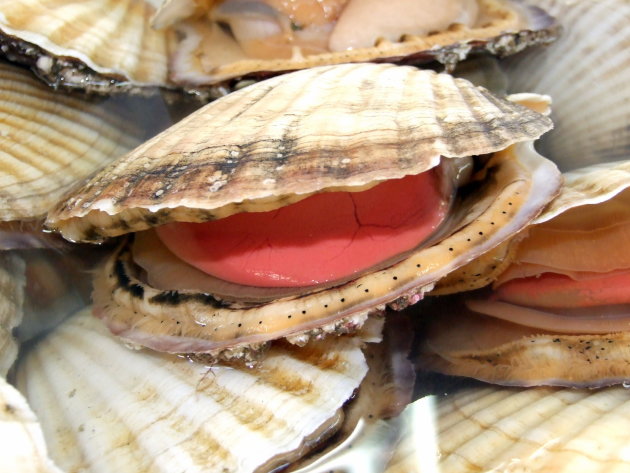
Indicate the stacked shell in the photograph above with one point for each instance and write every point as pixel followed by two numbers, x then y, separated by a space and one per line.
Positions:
pixel 559 312
pixel 335 132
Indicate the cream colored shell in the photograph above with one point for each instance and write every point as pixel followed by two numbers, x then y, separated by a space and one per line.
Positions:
pixel 23 448
pixel 106 408
pixel 12 283
pixel 49 142
pixel 280 140
pixel 113 38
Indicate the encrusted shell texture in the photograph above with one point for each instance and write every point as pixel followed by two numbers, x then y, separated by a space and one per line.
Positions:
pixel 101 45
pixel 278 141
pixel 49 142
pixel 106 408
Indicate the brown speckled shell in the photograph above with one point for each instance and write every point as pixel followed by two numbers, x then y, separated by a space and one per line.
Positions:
pixel 281 140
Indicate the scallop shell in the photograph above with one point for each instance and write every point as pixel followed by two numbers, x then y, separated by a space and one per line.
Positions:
pixel 23 448
pixel 317 143
pixel 586 74
pixel 508 27
pixel 281 140
pixel 12 282
pixel 49 142
pixel 494 429
pixel 138 411
pixel 101 45
pixel 463 342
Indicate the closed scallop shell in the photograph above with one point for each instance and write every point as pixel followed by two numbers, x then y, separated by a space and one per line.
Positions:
pixel 103 406
pixel 12 283
pixel 504 27
pixel 586 74
pixel 23 448
pixel 49 142
pixel 493 429
pixel 283 139
pixel 100 45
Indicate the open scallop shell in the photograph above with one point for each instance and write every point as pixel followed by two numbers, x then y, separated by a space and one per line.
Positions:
pixel 49 142
pixel 586 74
pixel 103 406
pixel 506 27
pixel 23 449
pixel 497 348
pixel 99 45
pixel 226 159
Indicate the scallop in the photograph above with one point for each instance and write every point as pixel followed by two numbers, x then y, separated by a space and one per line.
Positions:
pixel 23 448
pixel 48 143
pixel 232 39
pixel 12 282
pixel 336 128
pixel 103 406
pixel 586 74
pixel 489 428
pixel 99 45
pixel 558 313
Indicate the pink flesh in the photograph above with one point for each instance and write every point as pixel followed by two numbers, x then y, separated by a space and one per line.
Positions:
pixel 557 290
pixel 325 237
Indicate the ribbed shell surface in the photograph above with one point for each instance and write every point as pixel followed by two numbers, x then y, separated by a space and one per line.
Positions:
pixel 49 142
pixel 23 449
pixel 586 73
pixel 280 140
pixel 111 37
pixel 106 408
pixel 490 429
pixel 12 283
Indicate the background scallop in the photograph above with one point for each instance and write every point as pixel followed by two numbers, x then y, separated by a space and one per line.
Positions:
pixel 587 75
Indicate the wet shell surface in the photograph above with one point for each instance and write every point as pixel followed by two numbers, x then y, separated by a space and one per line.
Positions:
pixel 49 142
pixel 501 27
pixel 493 429
pixel 99 45
pixel 579 72
pixel 12 283
pixel 319 142
pixel 103 406
pixel 23 448
pixel 522 344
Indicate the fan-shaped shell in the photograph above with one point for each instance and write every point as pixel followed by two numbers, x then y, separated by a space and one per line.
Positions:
pixel 90 392
pixel 586 74
pixel 503 27
pixel 49 142
pixel 285 138
pixel 101 45
pixel 23 448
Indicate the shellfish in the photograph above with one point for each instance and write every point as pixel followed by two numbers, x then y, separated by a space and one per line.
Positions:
pixel 336 128
pixel 12 282
pixel 99 45
pixel 559 314
pixel 141 411
pixel 235 38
